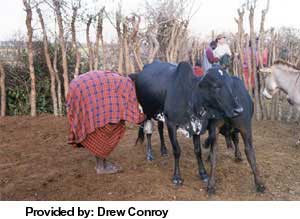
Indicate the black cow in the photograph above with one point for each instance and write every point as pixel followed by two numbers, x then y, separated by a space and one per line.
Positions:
pixel 171 92
pixel 230 128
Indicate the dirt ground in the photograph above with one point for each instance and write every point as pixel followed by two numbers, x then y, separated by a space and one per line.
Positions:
pixel 37 164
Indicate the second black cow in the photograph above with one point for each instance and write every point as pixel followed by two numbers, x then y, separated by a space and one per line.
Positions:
pixel 230 128
pixel 173 94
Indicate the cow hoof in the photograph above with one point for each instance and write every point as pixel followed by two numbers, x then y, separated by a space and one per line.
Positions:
pixel 203 176
pixel 211 190
pixel 164 152
pixel 150 157
pixel 260 188
pixel 177 181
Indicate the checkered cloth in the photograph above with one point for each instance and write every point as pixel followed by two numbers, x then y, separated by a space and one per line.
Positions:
pixel 104 140
pixel 98 98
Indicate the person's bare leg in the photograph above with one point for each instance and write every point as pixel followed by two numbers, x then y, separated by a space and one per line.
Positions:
pixel 105 167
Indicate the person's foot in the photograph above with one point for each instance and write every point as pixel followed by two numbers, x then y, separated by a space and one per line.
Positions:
pixel 108 168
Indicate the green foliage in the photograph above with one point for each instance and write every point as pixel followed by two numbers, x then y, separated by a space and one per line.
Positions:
pixel 18 82
pixel 44 101
pixel 17 101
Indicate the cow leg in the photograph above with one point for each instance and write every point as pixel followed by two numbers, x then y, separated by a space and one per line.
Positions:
pixel 172 130
pixel 197 149
pixel 249 150
pixel 228 141
pixel 213 160
pixel 163 149
pixel 209 141
pixel 226 131
pixel 237 152
pixel 148 130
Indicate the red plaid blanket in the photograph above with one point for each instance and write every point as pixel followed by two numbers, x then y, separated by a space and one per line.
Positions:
pixel 104 140
pixel 98 98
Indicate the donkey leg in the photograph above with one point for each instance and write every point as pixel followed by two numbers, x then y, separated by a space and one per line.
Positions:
pixel 197 149
pixel 172 130
pixel 148 129
pixel 249 150
pixel 163 149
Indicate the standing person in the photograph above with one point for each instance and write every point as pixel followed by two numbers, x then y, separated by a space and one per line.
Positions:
pixel 208 58
pixel 98 104
pixel 222 47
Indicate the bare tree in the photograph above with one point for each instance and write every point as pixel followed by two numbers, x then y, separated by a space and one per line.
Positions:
pixel 153 42
pixel 249 65
pixel 89 43
pixel 99 38
pixel 262 33
pixel 272 58
pixel 120 39
pixel 28 9
pixel 104 59
pixel 59 88
pixel 3 90
pixel 127 36
pixel 280 106
pixel 251 5
pixel 57 8
pixel 135 21
pixel 176 38
pixel 49 63
pixel 241 34
pixel 197 50
pixel 128 65
pixel 260 51
pixel 76 51
pixel 172 18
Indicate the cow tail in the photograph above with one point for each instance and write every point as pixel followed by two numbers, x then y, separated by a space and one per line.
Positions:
pixel 141 135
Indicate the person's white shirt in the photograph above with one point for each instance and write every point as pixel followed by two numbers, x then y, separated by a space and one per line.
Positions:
pixel 221 50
